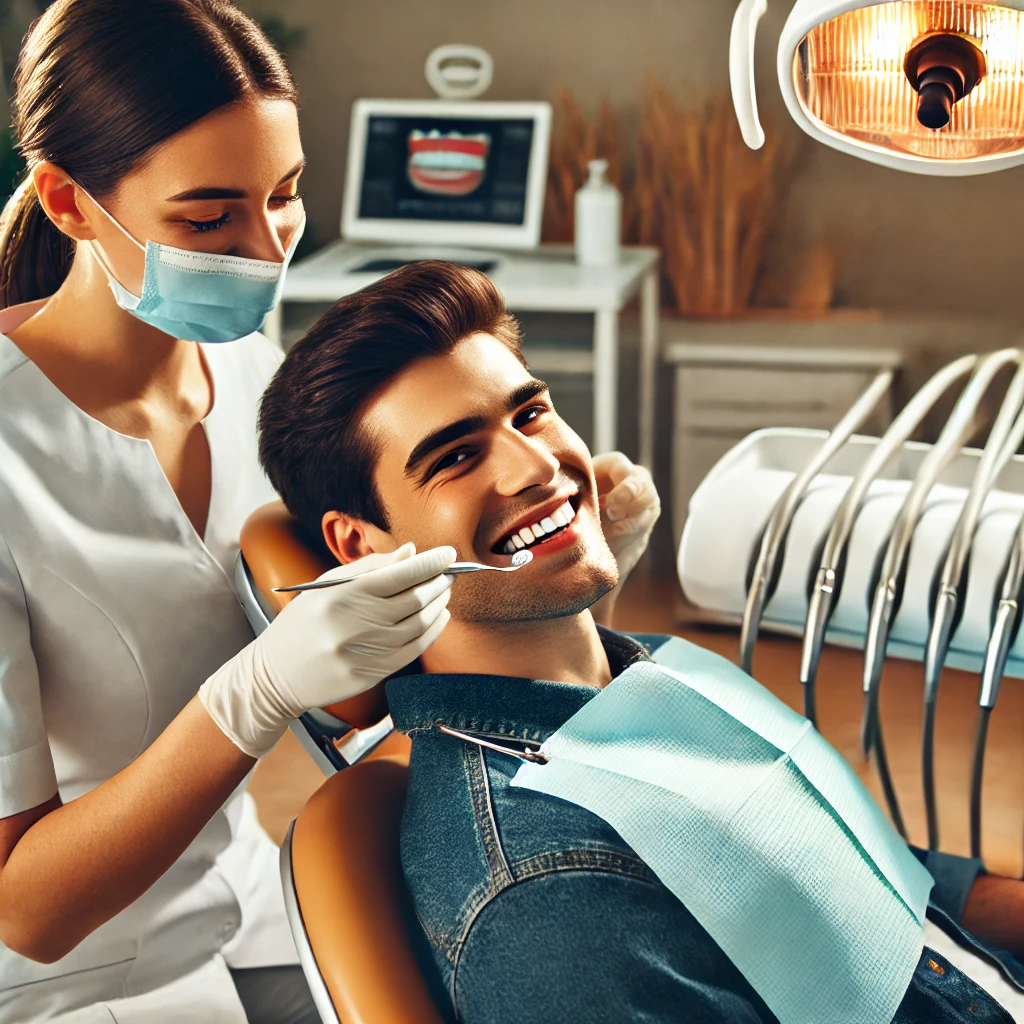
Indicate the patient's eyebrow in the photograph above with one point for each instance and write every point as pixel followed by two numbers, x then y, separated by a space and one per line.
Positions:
pixel 212 192
pixel 468 425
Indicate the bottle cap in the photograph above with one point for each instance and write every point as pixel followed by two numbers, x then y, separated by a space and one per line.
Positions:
pixel 598 169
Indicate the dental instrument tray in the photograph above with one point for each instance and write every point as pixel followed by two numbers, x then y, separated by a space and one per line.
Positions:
pixel 729 511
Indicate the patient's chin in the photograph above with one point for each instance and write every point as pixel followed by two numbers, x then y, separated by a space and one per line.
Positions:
pixel 483 597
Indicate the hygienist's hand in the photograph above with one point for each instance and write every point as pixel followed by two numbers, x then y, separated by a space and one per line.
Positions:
pixel 630 507
pixel 331 644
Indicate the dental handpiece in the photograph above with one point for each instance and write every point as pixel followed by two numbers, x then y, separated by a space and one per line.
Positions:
pixel 1004 439
pixel 1006 620
pixel 773 541
pixel 888 591
pixel 827 583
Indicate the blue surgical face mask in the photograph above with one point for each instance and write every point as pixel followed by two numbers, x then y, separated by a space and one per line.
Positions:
pixel 200 296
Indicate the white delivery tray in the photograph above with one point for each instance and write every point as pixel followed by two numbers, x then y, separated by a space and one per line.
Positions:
pixel 729 510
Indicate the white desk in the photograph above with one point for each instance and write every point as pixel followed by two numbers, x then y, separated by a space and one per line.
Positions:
pixel 540 280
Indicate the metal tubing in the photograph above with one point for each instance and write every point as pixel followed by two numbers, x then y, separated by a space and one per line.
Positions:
pixel 1003 441
pixel 828 581
pixel 961 425
pixel 773 541
pixel 1006 619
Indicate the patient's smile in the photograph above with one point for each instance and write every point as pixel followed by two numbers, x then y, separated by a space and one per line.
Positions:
pixel 541 531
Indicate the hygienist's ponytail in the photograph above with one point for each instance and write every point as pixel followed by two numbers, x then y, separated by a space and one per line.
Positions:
pixel 99 83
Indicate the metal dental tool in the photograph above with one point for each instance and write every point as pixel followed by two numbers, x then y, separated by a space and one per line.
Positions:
pixel 1006 620
pixel 825 590
pixel 773 542
pixel 888 591
pixel 519 559
pixel 1003 441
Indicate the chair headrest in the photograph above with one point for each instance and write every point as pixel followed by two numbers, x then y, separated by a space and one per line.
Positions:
pixel 278 553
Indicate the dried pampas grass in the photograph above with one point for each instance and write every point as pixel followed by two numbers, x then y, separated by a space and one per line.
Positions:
pixel 574 142
pixel 698 193
pixel 705 200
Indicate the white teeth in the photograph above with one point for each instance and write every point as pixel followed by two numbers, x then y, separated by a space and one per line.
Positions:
pixel 528 535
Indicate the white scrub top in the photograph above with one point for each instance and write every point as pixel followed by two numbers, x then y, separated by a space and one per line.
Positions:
pixel 113 611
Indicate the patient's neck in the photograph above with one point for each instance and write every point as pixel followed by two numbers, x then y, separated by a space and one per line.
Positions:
pixel 565 650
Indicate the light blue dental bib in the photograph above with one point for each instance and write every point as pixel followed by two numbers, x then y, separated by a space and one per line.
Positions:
pixel 759 827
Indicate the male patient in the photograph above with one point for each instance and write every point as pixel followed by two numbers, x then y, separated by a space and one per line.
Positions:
pixel 408 414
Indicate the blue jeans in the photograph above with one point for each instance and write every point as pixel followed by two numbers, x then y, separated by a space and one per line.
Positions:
pixel 536 908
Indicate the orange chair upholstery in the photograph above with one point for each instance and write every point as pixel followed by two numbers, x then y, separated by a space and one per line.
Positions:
pixel 340 864
pixel 276 549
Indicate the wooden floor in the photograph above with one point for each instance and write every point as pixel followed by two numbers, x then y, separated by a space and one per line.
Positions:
pixel 286 777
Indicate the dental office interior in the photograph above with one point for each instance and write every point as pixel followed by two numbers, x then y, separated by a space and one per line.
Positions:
pixel 770 253
pixel 790 279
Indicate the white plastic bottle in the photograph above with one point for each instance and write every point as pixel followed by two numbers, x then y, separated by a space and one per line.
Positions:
pixel 598 219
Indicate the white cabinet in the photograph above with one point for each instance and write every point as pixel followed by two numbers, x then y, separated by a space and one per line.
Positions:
pixel 725 387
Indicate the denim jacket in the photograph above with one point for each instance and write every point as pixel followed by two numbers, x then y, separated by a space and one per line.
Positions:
pixel 536 909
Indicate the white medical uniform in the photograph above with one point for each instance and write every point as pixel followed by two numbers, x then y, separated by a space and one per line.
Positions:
pixel 113 611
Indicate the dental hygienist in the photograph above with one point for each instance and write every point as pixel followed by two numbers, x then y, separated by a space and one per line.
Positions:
pixel 161 210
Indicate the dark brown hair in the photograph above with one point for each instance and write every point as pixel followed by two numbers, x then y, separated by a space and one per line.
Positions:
pixel 99 83
pixel 312 441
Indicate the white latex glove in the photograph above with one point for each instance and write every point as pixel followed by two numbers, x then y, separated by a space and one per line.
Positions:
pixel 328 645
pixel 630 507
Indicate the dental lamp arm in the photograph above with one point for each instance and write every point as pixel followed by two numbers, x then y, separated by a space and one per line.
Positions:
pixel 741 69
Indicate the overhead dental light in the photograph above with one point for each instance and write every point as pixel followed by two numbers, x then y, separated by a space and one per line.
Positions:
pixel 929 86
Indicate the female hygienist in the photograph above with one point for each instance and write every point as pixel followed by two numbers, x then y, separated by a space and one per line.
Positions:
pixel 161 205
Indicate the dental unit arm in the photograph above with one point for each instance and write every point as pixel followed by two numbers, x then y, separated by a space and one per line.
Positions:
pixel 773 542
pixel 888 591
pixel 1004 439
pixel 828 580
pixel 1006 620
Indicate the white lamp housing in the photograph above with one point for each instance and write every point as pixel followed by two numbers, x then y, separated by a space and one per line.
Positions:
pixel 928 86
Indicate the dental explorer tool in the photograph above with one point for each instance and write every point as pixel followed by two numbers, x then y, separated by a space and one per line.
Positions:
pixel 827 583
pixel 1003 441
pixel 1006 619
pixel 773 541
pixel 519 559
pixel 888 591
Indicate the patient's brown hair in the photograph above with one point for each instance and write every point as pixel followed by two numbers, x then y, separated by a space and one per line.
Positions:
pixel 312 442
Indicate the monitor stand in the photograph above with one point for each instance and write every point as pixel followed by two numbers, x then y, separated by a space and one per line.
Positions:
pixel 385 264
pixel 380 259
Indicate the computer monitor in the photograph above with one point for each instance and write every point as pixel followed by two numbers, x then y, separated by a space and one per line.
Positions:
pixel 447 172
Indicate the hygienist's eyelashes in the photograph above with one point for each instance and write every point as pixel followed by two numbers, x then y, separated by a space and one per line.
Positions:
pixel 209 225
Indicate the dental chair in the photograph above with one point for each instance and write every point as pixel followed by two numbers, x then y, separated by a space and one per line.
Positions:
pixel 361 949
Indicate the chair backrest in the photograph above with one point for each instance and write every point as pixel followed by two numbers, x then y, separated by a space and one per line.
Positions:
pixel 342 858
pixel 352 897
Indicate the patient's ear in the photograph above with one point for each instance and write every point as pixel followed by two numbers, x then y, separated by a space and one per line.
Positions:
pixel 346 536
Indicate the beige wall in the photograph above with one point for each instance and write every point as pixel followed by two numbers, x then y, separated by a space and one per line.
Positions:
pixel 907 242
